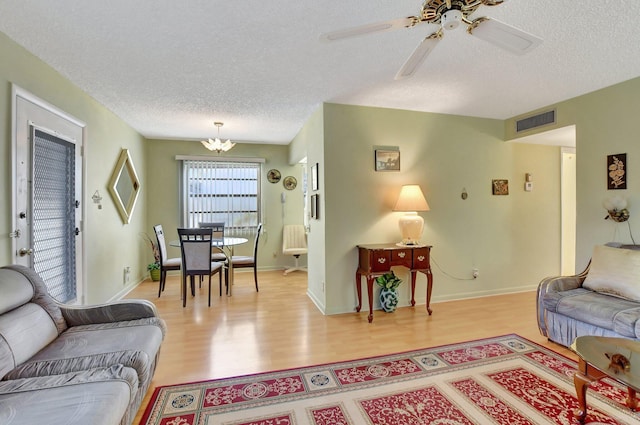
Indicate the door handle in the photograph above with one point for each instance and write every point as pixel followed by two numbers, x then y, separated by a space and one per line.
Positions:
pixel 25 251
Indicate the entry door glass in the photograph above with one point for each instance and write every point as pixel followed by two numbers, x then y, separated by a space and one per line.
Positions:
pixel 53 202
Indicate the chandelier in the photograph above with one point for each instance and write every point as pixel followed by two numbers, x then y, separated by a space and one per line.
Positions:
pixel 217 144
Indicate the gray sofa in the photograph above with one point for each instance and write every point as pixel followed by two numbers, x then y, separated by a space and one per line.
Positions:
pixel 603 300
pixel 72 365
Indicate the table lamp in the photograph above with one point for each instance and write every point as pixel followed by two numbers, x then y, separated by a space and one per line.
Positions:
pixel 411 200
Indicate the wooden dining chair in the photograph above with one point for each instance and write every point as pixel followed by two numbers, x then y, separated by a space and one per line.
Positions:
pixel 217 229
pixel 244 261
pixel 195 245
pixel 166 263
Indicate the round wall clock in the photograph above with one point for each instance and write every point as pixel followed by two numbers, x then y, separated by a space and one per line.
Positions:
pixel 273 176
pixel 290 182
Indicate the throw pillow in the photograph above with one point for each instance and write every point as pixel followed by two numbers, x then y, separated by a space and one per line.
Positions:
pixel 614 271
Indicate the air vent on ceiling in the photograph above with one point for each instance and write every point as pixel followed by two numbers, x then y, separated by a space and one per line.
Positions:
pixel 539 120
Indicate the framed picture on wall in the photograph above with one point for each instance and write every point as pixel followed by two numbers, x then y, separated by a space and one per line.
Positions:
pixel 315 207
pixel 314 177
pixel 500 186
pixel 617 171
pixel 387 160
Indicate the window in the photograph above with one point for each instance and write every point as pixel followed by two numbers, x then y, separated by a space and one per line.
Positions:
pixel 221 191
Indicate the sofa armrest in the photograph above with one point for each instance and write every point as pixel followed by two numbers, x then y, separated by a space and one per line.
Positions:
pixel 117 311
pixel 555 284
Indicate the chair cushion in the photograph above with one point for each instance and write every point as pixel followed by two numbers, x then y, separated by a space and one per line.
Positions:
pixel 294 251
pixel 218 256
pixel 614 271
pixel 242 260
pixel 172 262
pixel 133 344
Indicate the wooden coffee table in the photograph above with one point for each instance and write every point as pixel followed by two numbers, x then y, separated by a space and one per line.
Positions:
pixel 600 357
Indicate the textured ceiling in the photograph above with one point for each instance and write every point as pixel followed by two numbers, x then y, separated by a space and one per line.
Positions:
pixel 170 68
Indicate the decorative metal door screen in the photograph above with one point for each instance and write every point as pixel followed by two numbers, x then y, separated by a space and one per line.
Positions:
pixel 53 211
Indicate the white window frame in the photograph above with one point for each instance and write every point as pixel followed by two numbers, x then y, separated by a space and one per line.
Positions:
pixel 230 228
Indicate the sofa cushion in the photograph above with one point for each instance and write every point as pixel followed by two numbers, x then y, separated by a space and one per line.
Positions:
pixel 596 309
pixel 23 332
pixel 97 396
pixel 133 344
pixel 614 271
pixel 15 290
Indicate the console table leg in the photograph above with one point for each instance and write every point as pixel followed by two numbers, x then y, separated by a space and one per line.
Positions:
pixel 359 291
pixel 413 288
pixel 370 293
pixel 429 288
pixel 581 383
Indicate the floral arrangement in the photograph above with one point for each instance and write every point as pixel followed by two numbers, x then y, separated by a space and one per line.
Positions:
pixel 617 209
pixel 156 253
pixel 388 281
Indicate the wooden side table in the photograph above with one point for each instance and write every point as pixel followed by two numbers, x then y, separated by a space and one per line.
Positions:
pixel 377 259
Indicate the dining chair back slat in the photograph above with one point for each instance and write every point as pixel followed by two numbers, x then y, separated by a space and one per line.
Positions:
pixel 195 246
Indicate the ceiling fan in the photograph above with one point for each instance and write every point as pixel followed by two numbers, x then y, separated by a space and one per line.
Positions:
pixel 448 14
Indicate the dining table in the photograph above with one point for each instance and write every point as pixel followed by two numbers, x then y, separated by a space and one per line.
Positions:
pixel 226 245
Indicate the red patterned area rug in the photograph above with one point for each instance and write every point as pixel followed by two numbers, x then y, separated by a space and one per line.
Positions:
pixel 504 380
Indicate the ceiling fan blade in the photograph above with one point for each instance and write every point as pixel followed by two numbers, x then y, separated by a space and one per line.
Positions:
pixel 503 35
pixel 391 25
pixel 419 55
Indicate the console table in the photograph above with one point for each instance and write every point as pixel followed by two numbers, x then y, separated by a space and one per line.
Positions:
pixel 376 259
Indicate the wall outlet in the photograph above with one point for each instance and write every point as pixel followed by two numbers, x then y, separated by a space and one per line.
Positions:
pixel 126 276
pixel 475 272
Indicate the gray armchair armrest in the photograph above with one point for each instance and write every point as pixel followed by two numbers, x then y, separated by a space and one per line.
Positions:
pixel 555 284
pixel 117 311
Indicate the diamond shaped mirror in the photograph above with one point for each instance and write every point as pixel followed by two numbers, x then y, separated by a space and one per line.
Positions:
pixel 124 186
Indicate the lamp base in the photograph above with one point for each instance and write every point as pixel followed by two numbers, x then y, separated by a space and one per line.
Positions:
pixel 411 225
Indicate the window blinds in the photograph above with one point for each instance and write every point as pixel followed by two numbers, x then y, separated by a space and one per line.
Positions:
pixel 221 191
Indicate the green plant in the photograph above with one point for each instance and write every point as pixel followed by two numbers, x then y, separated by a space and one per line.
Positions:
pixel 153 266
pixel 388 280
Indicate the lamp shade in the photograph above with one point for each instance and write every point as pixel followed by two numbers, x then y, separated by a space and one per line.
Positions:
pixel 411 199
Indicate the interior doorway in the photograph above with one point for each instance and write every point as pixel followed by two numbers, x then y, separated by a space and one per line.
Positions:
pixel 565 138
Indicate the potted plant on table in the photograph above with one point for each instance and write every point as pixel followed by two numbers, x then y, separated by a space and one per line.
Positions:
pixel 389 283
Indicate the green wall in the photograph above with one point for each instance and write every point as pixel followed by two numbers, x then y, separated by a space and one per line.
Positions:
pixel 513 240
pixel 163 204
pixel 605 123
pixel 110 245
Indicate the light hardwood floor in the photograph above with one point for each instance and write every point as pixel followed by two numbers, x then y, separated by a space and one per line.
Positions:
pixel 280 328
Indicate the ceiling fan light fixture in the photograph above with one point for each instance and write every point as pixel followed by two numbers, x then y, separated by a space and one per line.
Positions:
pixel 451 19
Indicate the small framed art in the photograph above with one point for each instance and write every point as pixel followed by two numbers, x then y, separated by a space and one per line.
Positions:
pixel 500 186
pixel 314 177
pixel 617 171
pixel 387 160
pixel 315 206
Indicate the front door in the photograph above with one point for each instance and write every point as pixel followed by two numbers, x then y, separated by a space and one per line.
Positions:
pixel 47 205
